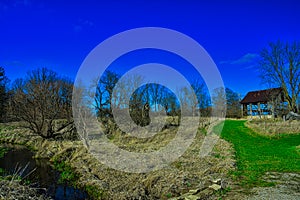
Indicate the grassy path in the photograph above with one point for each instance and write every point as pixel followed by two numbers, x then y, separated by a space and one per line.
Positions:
pixel 257 154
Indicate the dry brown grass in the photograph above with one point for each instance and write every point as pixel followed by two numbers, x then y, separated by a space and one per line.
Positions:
pixel 12 190
pixel 187 173
pixel 274 127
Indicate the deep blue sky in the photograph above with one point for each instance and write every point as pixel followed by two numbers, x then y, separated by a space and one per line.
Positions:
pixel 59 34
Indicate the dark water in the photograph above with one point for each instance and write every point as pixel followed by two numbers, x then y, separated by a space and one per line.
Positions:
pixel 39 172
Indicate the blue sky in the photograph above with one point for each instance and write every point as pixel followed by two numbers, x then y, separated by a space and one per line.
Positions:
pixel 59 35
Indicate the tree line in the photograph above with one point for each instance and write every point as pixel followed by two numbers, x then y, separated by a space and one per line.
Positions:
pixel 42 100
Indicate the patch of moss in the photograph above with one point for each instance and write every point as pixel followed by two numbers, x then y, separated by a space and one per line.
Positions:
pixel 66 173
pixel 94 192
pixel 169 195
pixel 3 151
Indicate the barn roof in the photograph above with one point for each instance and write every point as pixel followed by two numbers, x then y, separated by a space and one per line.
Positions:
pixel 261 95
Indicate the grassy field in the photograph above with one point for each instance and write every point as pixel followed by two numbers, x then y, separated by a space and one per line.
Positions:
pixel 257 154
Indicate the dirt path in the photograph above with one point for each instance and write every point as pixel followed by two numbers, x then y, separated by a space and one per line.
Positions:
pixel 287 188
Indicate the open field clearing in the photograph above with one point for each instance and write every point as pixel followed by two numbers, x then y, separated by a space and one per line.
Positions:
pixel 257 154
pixel 264 160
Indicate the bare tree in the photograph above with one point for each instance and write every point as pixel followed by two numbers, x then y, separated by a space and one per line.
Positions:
pixel 190 100
pixel 170 103
pixel 156 91
pixel 233 104
pixel 104 94
pixel 219 102
pixel 194 98
pixel 82 111
pixel 129 95
pixel 280 66
pixel 298 102
pixel 3 94
pixel 201 93
pixel 40 100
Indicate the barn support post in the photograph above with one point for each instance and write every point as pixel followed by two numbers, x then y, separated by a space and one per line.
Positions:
pixel 246 109
pixel 258 109
pixel 243 109
pixel 273 109
pixel 250 105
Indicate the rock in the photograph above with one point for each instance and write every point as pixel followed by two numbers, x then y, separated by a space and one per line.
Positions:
pixel 217 181
pixel 215 187
pixel 194 191
pixel 192 197
pixel 292 116
pixel 205 193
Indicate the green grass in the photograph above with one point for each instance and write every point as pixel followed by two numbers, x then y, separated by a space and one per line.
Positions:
pixel 4 127
pixel 94 192
pixel 257 154
pixel 66 172
pixel 3 150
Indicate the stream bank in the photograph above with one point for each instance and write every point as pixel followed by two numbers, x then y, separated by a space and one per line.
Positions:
pixel 26 176
pixel 187 173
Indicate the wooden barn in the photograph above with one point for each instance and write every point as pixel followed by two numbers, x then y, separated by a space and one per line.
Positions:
pixel 267 103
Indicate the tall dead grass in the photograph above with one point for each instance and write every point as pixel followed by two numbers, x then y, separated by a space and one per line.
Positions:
pixel 188 172
pixel 274 127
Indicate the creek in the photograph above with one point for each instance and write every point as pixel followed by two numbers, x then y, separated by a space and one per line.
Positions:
pixel 38 172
